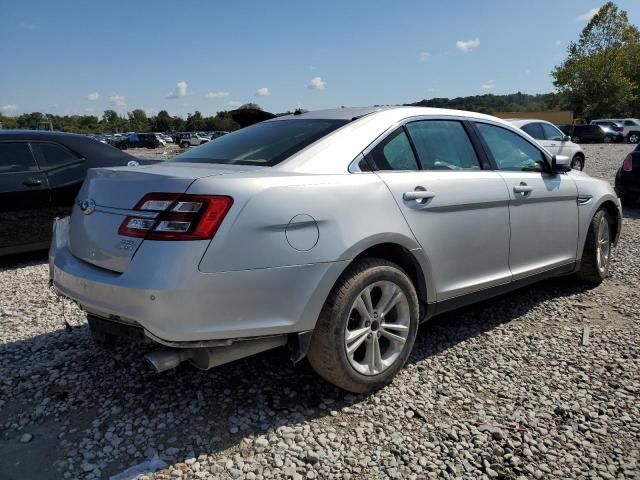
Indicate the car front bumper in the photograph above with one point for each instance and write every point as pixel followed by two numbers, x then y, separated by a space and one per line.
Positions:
pixel 192 306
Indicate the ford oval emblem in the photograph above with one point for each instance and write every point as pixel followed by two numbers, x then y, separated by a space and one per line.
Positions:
pixel 87 206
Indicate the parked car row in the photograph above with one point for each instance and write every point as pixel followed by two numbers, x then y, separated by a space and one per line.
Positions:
pixel 334 232
pixel 629 127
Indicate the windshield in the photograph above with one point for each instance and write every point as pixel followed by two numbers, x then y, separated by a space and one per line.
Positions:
pixel 266 144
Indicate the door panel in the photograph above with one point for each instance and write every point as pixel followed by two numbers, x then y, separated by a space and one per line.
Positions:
pixel 543 207
pixel 24 200
pixel 463 226
pixel 457 212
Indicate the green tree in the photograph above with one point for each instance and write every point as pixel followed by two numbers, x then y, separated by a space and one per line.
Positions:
pixel 195 122
pixel 161 122
pixel 601 74
pixel 138 121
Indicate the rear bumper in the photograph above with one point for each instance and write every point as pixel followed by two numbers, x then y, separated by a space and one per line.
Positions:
pixel 191 306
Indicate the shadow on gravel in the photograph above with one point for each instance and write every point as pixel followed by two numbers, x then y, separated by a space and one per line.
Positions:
pixel 9 262
pixel 108 409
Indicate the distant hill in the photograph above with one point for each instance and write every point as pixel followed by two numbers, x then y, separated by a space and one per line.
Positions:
pixel 490 103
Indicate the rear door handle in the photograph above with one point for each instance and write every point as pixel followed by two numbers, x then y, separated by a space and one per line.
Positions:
pixel 418 195
pixel 32 182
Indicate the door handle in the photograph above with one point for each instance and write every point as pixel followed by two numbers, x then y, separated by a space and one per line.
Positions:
pixel 32 182
pixel 523 189
pixel 418 195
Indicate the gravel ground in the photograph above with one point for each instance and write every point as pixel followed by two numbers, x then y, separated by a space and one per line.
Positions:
pixel 503 389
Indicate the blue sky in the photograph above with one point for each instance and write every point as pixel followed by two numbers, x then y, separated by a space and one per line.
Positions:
pixel 84 57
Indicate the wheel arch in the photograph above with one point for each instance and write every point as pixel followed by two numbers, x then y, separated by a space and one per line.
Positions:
pixel 614 213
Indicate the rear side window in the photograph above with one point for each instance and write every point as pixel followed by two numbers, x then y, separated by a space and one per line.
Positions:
pixel 535 130
pixel 263 144
pixel 52 154
pixel 16 157
pixel 443 145
pixel 395 153
pixel 510 151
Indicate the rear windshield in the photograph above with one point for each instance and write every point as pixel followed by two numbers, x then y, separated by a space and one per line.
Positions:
pixel 266 143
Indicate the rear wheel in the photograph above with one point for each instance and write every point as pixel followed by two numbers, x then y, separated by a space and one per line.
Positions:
pixel 633 137
pixel 367 327
pixel 577 162
pixel 596 255
pixel 575 139
pixel 184 144
pixel 607 139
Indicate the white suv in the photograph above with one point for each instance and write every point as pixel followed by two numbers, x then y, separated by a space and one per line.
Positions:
pixel 192 140
pixel 630 127
pixel 553 140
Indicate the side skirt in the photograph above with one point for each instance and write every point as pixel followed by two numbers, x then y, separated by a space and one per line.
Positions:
pixel 464 300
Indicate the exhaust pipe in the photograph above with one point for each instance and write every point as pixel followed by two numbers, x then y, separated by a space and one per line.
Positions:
pixel 163 360
pixel 205 358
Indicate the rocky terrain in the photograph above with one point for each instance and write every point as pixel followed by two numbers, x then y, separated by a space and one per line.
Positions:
pixel 541 383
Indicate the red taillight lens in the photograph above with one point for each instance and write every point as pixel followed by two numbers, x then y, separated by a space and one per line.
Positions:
pixel 627 165
pixel 177 217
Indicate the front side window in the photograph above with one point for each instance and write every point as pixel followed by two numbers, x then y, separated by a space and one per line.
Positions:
pixel 551 132
pixel 535 130
pixel 510 151
pixel 52 155
pixel 395 153
pixel 16 157
pixel 263 144
pixel 443 145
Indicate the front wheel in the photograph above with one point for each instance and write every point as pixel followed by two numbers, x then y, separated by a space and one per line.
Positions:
pixel 606 139
pixel 367 327
pixel 596 255
pixel 184 145
pixel 577 162
pixel 633 137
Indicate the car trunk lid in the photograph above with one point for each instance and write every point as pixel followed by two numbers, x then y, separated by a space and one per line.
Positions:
pixel 108 195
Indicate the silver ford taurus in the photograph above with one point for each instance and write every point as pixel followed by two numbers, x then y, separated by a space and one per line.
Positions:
pixel 333 232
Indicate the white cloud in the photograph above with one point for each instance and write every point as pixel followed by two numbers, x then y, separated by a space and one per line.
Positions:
pixel 234 103
pixel 465 46
pixel 585 17
pixel 424 57
pixel 10 109
pixel 488 85
pixel 180 90
pixel 218 94
pixel 93 96
pixel 118 101
pixel 316 83
pixel 263 92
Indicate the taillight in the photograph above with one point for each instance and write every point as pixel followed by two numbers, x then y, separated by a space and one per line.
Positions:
pixel 177 217
pixel 627 165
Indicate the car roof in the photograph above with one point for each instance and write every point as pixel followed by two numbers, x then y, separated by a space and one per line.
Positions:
pixel 36 135
pixel 519 122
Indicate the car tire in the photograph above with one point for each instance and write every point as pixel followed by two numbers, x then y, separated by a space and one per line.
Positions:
pixel 596 256
pixel 356 344
pixel 606 139
pixel 577 162
pixel 575 139
pixel 633 137
pixel 184 145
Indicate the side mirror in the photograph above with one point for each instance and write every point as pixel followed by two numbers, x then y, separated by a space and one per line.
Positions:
pixel 560 163
pixel 566 138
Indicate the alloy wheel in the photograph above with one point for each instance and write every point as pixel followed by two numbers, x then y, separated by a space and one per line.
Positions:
pixel 603 247
pixel 633 138
pixel 576 163
pixel 377 327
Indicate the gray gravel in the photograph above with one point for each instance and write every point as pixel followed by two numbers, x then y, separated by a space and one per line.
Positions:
pixel 504 389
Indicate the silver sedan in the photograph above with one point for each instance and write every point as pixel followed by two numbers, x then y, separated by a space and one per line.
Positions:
pixel 334 232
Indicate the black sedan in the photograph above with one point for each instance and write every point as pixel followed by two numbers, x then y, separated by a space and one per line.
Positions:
pixel 591 133
pixel 628 179
pixel 40 176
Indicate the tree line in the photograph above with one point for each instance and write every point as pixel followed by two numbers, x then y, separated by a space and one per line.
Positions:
pixel 134 121
pixel 600 77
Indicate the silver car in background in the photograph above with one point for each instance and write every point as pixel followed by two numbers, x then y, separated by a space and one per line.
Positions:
pixel 552 139
pixel 333 232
